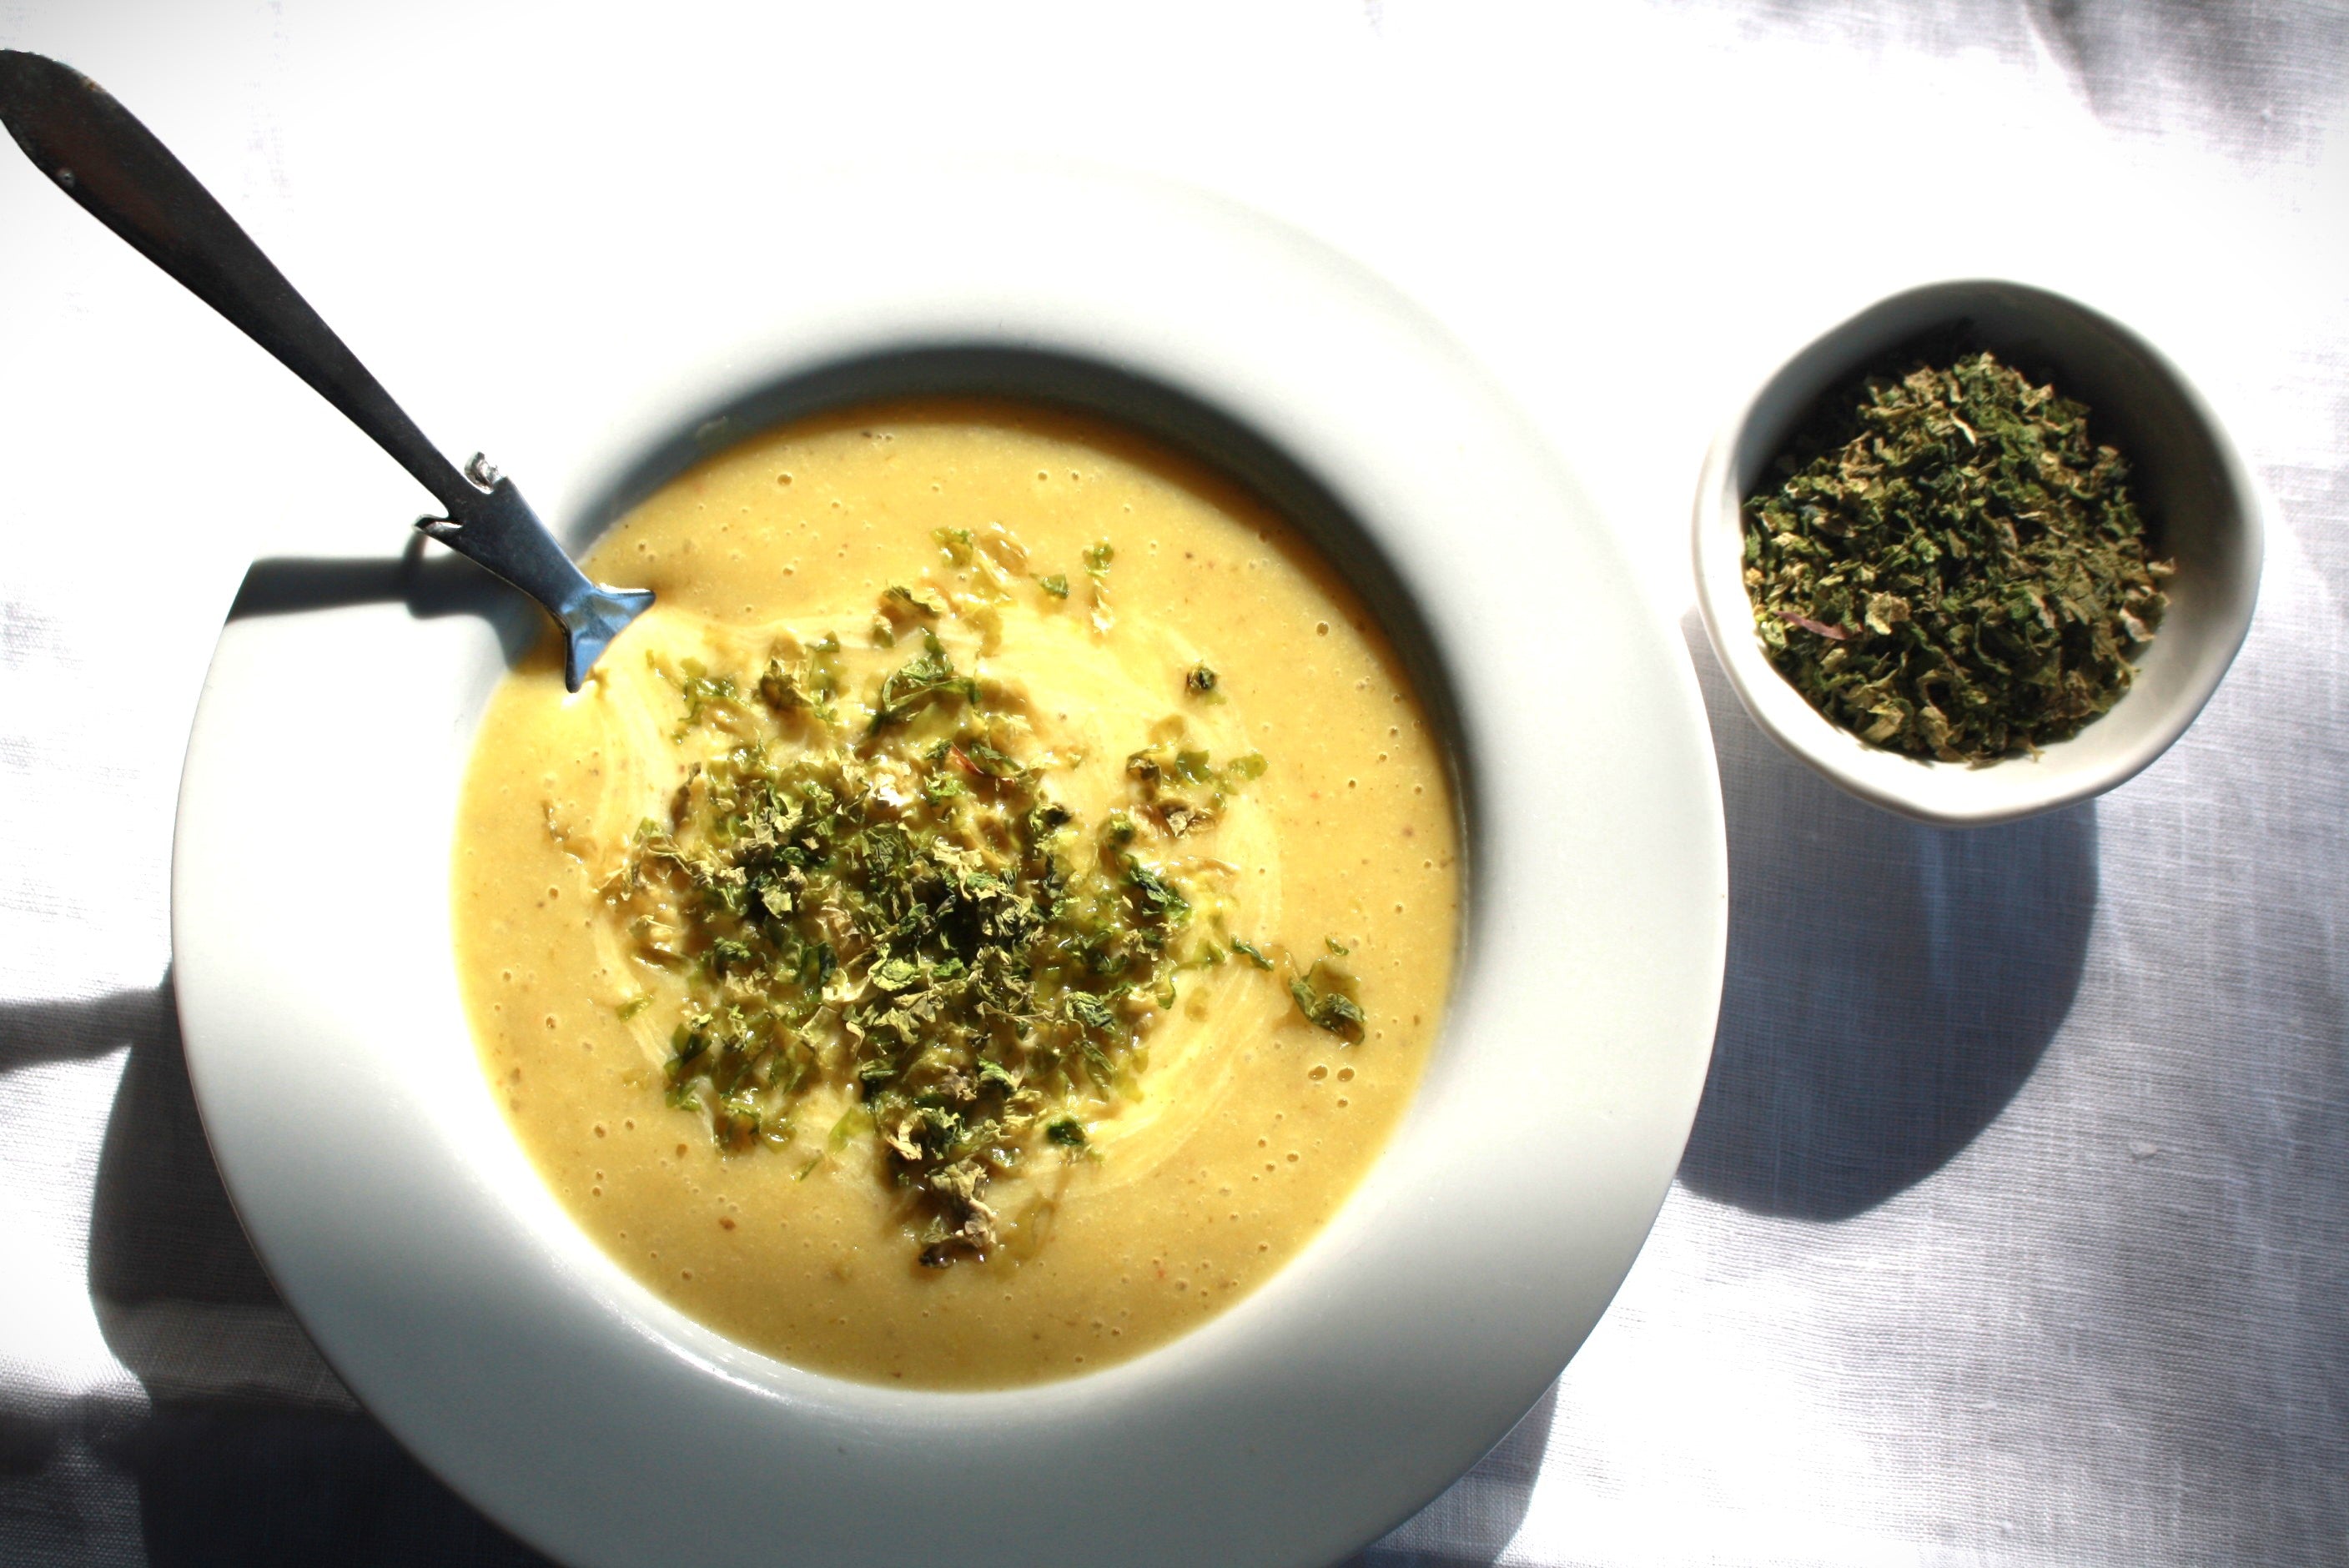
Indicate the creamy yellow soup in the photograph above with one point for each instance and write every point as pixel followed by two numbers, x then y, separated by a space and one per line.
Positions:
pixel 1077 580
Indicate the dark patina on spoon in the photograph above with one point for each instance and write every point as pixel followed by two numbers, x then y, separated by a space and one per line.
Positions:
pixel 76 133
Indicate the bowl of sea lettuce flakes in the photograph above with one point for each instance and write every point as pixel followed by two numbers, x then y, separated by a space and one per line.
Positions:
pixel 1976 553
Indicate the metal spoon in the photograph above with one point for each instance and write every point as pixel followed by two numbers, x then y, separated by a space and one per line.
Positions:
pixel 104 159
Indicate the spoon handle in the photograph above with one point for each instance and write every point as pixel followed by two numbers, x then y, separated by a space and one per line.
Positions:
pixel 78 136
pixel 98 154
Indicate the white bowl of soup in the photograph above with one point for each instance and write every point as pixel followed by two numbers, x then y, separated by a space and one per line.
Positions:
pixel 1103 976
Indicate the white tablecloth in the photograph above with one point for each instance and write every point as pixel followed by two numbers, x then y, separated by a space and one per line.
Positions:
pixel 2015 1224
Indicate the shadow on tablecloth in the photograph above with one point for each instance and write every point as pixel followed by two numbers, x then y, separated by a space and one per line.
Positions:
pixel 247 1449
pixel 1890 986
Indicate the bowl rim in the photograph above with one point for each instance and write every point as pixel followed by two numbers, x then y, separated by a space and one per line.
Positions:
pixel 1924 789
pixel 441 1282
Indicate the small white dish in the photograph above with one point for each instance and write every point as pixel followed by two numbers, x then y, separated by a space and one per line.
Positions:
pixel 341 1091
pixel 2203 508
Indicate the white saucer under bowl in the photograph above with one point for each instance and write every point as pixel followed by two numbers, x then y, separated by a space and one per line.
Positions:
pixel 406 1228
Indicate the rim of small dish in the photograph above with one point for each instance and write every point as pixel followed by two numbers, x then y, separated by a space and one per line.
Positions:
pixel 442 1282
pixel 2133 390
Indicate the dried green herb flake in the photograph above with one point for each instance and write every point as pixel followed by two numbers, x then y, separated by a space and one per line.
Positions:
pixel 1950 566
